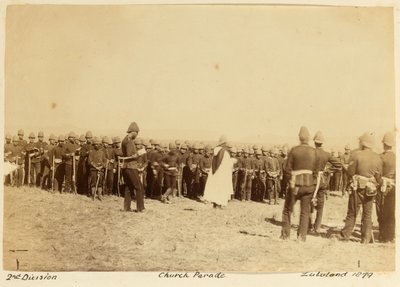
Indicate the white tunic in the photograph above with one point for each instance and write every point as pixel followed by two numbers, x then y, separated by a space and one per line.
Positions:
pixel 219 185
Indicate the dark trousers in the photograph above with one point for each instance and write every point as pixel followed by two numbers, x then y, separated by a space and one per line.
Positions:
pixel 385 210
pixel 203 182
pixel 319 209
pixel 304 195
pixel 68 178
pixel 59 177
pixel 272 184
pixel 35 174
pixel 132 180
pixel 284 186
pixel 109 182
pixel 234 183
pixel 356 200
pixel 45 181
pixel 96 178
pixel 245 186
pixel 17 176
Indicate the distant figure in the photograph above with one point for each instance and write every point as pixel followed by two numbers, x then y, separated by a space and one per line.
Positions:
pixel 219 187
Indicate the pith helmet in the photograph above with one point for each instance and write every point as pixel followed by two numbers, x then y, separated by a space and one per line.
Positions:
pixel 82 138
pixel 8 136
pixel 89 135
pixel 96 140
pixel 319 137
pixel 61 138
pixel 172 145
pixel 40 134
pixel 304 134
pixel 15 139
pixel 389 139
pixel 105 140
pixel 133 127
pixel 32 136
pixel 52 137
pixel 116 140
pixel 367 140
pixel 20 132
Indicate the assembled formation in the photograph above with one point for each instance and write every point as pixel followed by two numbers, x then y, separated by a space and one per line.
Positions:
pixel 136 169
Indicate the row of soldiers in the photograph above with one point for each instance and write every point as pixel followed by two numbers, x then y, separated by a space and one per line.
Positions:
pixel 88 165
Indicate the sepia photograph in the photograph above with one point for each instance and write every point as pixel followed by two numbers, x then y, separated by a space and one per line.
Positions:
pixel 208 139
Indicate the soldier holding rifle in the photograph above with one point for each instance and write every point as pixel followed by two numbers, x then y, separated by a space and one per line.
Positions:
pixel 97 162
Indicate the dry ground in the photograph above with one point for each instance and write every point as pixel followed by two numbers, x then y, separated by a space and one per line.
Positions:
pixel 67 232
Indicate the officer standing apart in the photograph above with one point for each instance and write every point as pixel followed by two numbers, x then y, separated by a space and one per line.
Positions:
pixel 301 167
pixel 130 169
pixel 365 169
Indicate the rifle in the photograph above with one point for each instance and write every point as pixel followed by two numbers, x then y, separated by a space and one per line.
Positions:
pixel 73 173
pixel 179 181
pixel 105 177
pixel 97 184
pixel 52 173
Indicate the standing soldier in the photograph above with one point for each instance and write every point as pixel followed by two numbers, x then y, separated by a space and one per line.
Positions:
pixel 284 179
pixel 301 166
pixel 21 140
pixel 247 168
pixel 58 168
pixel 318 200
pixel 345 160
pixel 149 171
pixel 83 168
pixel 193 188
pixel 82 140
pixel 234 154
pixel 118 186
pixel 45 182
pixel 97 162
pixel 142 162
pixel 157 171
pixel 70 150
pixel 182 173
pixel 109 167
pixel 386 197
pixel 17 156
pixel 32 160
pixel 42 146
pixel 260 177
pixel 205 168
pixel 170 163
pixel 365 169
pixel 273 171
pixel 130 169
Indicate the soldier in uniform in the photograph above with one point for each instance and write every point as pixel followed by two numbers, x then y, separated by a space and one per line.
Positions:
pixel 260 177
pixel 386 197
pixel 130 169
pixel 170 163
pixel 58 153
pixel 284 179
pixel 183 169
pixel 47 164
pixel 319 200
pixel 42 146
pixel 110 167
pixel 82 140
pixel 204 169
pixel 273 173
pixel 33 158
pixel 70 151
pixel 193 180
pixel 83 168
pixel 21 140
pixel 345 160
pixel 234 154
pixel 97 162
pixel 17 156
pixel 118 174
pixel 365 169
pixel 247 175
pixel 301 166
pixel 157 170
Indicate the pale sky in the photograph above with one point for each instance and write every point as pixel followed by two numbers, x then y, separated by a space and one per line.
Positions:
pixel 250 72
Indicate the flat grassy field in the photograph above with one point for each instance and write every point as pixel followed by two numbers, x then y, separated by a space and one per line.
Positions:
pixel 65 232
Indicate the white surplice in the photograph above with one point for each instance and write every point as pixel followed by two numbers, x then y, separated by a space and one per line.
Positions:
pixel 219 186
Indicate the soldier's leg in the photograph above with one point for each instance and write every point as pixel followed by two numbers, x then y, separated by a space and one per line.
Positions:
pixel 263 187
pixel 290 200
pixel 270 189
pixel 110 182
pixel 38 173
pixel 352 210
pixel 135 179
pixel 68 177
pixel 320 210
pixel 379 214
pixel 248 188
pixel 305 194
pixel 390 214
pixel 366 220
pixel 127 193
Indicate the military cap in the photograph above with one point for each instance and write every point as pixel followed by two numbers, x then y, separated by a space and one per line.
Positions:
pixel 8 136
pixel 367 140
pixel 263 148
pixel 52 137
pixel 256 147
pixel 258 152
pixel 148 144
pixel 172 145
pixel 186 142
pixel 96 140
pixel 133 127
pixel 61 138
pixel 89 135
pixel 40 134
pixel 222 140
pixel 201 146
pixel 156 142
pixel 250 151
pixel 347 147
pixel 177 142
pixel 304 134
pixel 32 136
pixel 20 132
pixel 389 139
pixel 71 135
pixel 116 140
pixel 82 138
pixel 164 145
pixel 152 141
pixel 319 137
pixel 105 140
pixel 184 146
pixel 109 141
pixel 15 139
pixel 196 146
pixel 275 151
pixel 138 141
pixel 208 147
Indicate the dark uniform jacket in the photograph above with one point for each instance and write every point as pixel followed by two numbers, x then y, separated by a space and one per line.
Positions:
pixel 389 164
pixel 366 163
pixel 97 159
pixel 302 157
